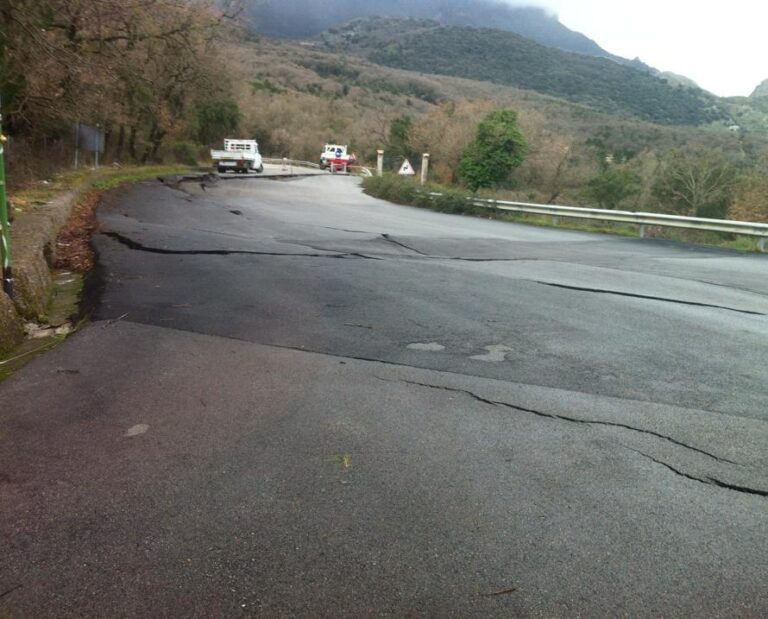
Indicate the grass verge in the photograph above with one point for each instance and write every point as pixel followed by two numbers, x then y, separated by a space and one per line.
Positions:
pixel 43 191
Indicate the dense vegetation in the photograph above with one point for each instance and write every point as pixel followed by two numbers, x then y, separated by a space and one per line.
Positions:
pixel 506 58
pixel 146 71
pixel 498 148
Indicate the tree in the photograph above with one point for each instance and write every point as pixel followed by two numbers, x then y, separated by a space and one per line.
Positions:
pixel 696 184
pixel 496 151
pixel 138 68
pixel 216 120
pixel 400 137
pixel 750 201
pixel 445 132
pixel 612 186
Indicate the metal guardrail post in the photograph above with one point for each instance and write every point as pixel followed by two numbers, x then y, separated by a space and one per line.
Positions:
pixel 5 242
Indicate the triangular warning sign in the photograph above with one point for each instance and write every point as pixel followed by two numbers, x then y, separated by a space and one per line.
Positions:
pixel 406 169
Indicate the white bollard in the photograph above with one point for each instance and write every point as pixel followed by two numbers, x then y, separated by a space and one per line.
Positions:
pixel 424 168
pixel 379 162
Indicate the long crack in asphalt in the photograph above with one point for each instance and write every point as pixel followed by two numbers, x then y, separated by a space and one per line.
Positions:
pixel 708 480
pixel 596 422
pixel 135 245
pixel 648 297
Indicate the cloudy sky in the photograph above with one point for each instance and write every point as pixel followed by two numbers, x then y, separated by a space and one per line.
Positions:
pixel 723 46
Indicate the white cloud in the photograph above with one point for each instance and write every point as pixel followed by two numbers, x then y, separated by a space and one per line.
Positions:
pixel 722 46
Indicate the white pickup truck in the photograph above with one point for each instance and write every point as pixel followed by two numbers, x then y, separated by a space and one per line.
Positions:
pixel 336 154
pixel 238 156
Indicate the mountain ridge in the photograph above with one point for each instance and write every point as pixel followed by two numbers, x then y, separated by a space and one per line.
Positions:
pixel 305 18
pixel 507 58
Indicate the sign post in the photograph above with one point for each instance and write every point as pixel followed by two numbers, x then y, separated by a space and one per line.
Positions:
pixel 89 139
pixel 5 241
pixel 424 168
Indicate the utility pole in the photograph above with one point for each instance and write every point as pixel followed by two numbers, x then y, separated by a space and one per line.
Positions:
pixel 5 242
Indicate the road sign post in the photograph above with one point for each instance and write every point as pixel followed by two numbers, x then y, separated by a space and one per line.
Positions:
pixel 5 231
pixel 424 168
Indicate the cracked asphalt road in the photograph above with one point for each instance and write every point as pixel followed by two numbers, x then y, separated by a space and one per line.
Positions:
pixel 296 400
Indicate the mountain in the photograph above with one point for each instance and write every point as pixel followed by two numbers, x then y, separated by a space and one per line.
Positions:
pixel 303 18
pixel 761 90
pixel 675 79
pixel 505 58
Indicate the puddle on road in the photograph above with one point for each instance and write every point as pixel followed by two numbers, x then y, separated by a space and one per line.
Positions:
pixel 496 354
pixel 426 346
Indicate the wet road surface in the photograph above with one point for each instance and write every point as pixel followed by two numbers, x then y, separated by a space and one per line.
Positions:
pixel 298 400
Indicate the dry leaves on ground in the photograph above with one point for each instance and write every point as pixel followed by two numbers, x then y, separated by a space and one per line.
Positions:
pixel 73 244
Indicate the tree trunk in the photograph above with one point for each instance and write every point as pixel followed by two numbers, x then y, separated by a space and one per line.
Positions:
pixel 120 143
pixel 132 144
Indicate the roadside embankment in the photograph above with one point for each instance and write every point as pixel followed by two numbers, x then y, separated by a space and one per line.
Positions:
pixel 33 250
pixel 45 220
pixel 33 243
pixel 408 191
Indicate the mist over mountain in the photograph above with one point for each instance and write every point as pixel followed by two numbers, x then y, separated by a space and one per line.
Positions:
pixel 303 18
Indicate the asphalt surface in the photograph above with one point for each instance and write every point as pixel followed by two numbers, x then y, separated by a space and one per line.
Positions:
pixel 297 400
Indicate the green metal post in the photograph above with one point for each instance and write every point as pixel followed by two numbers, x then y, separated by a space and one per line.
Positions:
pixel 5 231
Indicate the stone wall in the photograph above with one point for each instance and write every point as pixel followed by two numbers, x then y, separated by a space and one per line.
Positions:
pixel 33 249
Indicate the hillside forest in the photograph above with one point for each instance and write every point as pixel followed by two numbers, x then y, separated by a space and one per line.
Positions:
pixel 168 79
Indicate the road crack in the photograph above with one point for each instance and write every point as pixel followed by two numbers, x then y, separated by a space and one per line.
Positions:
pixel 389 239
pixel 461 259
pixel 648 297
pixel 11 590
pixel 135 245
pixel 569 419
pixel 708 480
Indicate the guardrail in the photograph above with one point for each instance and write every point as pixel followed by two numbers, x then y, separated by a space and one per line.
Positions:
pixel 355 169
pixel 640 219
pixel 291 162
pixel 361 170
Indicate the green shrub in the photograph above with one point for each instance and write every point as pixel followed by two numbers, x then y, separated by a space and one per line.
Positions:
pixel 185 152
pixel 452 202
pixel 392 187
pixel 404 190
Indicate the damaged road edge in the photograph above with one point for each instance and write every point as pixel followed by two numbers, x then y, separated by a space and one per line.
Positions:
pixel 135 245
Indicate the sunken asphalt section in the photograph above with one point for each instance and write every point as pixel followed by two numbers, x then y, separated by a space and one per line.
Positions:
pixel 298 400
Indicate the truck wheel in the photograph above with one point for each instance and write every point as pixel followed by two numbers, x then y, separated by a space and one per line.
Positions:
pixel 221 170
pixel 260 169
